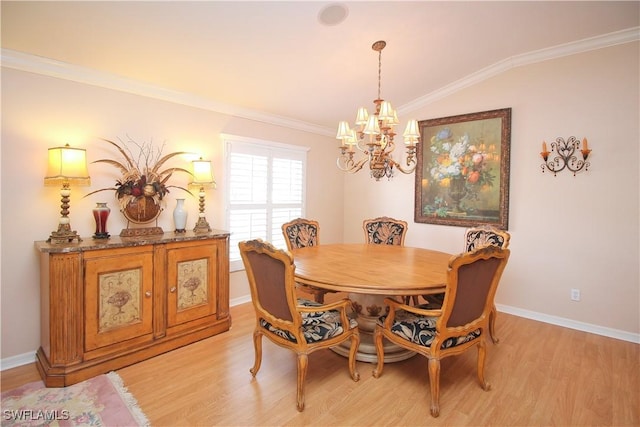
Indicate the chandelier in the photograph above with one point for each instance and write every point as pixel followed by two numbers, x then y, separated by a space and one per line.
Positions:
pixel 374 137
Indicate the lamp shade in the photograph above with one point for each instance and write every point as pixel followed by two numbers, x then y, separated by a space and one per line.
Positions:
pixel 411 133
pixel 67 165
pixel 202 172
pixel 353 138
pixel 343 130
pixel 395 120
pixel 386 111
pixel 362 116
pixel 372 127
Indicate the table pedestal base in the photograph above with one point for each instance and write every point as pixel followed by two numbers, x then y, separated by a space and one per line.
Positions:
pixel 367 350
pixel 367 310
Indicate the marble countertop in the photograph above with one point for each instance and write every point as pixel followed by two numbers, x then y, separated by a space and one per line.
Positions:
pixel 89 243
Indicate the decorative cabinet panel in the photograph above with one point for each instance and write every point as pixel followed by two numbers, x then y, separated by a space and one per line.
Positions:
pixel 108 304
pixel 192 274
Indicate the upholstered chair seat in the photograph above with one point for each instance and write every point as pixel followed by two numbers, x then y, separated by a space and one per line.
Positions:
pixel 316 326
pixel 421 330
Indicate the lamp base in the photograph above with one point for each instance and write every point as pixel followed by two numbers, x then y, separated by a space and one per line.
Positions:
pixel 64 235
pixel 202 226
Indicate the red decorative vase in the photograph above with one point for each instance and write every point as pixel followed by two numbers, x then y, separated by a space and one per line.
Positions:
pixel 100 214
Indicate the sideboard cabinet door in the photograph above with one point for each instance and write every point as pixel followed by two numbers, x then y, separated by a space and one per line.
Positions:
pixel 191 279
pixel 118 298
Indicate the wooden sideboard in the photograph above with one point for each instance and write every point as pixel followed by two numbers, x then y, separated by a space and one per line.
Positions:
pixel 106 304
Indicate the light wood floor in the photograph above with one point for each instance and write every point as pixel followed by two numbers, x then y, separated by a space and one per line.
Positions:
pixel 541 375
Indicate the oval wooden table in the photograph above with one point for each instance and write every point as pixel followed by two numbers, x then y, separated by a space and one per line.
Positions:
pixel 368 273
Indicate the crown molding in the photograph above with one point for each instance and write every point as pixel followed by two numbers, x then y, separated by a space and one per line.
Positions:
pixel 607 40
pixel 62 70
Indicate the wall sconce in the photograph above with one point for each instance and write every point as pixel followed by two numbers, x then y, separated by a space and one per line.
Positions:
pixel 202 177
pixel 566 155
pixel 67 166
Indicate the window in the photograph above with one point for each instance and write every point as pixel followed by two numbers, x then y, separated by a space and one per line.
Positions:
pixel 266 188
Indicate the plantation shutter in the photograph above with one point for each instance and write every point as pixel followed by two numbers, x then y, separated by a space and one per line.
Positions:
pixel 266 183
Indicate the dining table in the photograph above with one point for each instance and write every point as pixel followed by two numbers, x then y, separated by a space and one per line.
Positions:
pixel 368 273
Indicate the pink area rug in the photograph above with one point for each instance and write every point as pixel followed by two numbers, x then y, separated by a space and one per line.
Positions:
pixel 99 401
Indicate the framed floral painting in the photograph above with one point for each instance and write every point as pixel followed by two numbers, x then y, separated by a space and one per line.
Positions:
pixel 462 177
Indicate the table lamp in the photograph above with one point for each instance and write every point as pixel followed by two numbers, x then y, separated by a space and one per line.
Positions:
pixel 202 177
pixel 67 166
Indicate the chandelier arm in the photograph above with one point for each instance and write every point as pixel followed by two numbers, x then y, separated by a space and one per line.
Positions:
pixel 403 170
pixel 359 165
pixel 364 149
pixel 346 163
pixel 351 166
pixel 390 145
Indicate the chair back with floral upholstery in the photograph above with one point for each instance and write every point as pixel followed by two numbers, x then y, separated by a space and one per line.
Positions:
pixel 385 231
pixel 300 325
pixel 485 235
pixel 459 325
pixel 300 233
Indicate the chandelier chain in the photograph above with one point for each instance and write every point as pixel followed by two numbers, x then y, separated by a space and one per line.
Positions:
pixel 379 71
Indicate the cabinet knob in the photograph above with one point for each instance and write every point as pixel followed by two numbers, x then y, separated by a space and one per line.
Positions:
pixel 147 294
pixel 173 289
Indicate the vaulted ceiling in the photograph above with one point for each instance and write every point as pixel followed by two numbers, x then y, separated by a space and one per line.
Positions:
pixel 305 61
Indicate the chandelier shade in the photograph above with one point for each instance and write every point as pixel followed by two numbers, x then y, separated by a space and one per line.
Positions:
pixel 373 137
pixel 411 133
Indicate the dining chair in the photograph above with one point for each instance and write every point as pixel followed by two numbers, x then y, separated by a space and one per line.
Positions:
pixel 301 233
pixel 474 238
pixel 300 325
pixel 384 231
pixel 459 325
pixel 485 235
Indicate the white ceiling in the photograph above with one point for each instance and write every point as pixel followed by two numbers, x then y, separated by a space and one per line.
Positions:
pixel 278 58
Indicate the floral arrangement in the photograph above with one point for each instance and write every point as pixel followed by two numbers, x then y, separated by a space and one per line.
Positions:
pixel 142 175
pixel 461 159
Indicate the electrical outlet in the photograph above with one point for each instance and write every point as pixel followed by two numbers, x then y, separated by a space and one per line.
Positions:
pixel 575 294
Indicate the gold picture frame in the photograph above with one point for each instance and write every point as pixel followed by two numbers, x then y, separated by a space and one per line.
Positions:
pixel 462 176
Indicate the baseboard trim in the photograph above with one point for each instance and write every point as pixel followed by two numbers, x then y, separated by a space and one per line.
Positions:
pixel 240 300
pixel 30 357
pixel 571 324
pixel 19 360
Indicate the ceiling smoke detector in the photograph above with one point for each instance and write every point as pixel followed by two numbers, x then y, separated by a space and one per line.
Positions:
pixel 333 14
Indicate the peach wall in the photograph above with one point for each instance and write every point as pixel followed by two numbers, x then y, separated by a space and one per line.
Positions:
pixel 39 112
pixel 567 232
